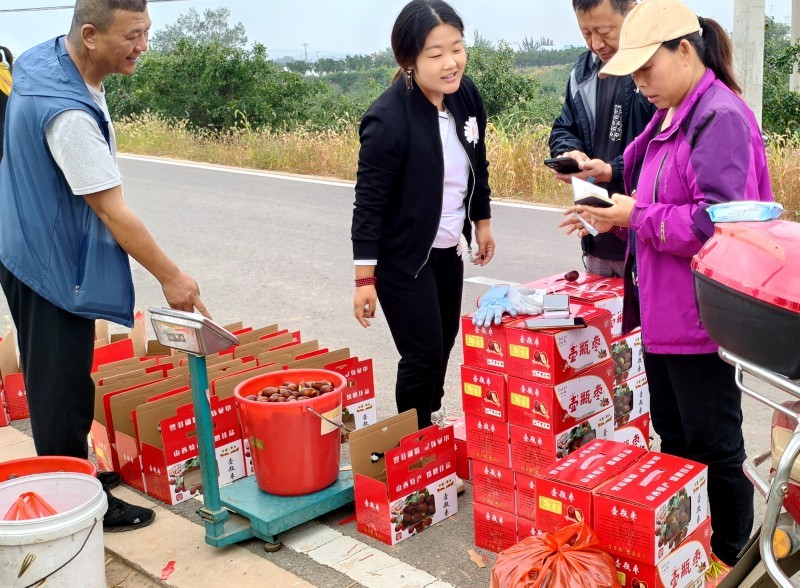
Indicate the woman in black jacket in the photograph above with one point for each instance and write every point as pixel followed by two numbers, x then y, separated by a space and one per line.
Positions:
pixel 422 182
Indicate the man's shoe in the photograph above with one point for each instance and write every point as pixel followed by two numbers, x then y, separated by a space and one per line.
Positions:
pixel 109 480
pixel 460 486
pixel 122 516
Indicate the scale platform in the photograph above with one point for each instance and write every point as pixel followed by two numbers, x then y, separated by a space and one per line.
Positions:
pixel 269 514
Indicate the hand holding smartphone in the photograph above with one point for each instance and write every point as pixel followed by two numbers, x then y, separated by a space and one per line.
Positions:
pixel 563 165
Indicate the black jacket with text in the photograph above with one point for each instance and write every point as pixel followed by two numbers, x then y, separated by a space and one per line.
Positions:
pixel 572 130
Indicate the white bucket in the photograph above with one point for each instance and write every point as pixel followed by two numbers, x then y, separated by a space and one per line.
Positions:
pixel 66 548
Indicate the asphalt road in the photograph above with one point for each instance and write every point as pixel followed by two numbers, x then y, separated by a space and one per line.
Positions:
pixel 269 249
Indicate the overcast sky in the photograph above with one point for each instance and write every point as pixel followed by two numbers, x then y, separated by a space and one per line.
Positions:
pixel 334 28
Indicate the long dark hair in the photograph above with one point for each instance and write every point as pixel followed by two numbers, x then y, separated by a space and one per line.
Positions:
pixel 715 50
pixel 417 19
pixel 9 58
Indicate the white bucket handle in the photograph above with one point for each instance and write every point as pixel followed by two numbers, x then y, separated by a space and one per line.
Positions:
pixel 41 580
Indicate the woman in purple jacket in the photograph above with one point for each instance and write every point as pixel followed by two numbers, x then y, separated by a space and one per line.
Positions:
pixel 702 147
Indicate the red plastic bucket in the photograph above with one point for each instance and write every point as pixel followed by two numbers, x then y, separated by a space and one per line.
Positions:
pixel 45 464
pixel 294 451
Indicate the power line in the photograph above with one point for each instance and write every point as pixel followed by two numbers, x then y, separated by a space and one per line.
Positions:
pixel 68 7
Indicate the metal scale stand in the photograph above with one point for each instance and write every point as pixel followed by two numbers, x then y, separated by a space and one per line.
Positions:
pixel 240 510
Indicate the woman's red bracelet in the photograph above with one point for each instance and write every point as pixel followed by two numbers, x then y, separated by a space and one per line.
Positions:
pixel 370 281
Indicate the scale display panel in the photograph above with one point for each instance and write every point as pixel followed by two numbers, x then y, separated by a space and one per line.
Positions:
pixel 190 332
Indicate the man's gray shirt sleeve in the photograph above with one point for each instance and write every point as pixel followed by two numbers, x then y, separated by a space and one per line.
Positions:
pixel 81 151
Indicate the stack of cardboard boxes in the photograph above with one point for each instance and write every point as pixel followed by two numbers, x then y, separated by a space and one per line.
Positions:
pixel 532 397
pixel 144 424
pixel 649 510
pixel 631 392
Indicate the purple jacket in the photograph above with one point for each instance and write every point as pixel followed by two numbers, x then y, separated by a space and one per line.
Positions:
pixel 712 152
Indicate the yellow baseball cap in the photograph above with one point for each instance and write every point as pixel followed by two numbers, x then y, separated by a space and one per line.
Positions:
pixel 649 24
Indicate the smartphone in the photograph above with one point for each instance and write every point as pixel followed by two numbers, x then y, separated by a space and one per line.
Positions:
pixel 594 200
pixel 537 324
pixel 563 165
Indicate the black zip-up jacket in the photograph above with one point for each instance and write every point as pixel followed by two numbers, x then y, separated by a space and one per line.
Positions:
pixel 572 130
pixel 400 180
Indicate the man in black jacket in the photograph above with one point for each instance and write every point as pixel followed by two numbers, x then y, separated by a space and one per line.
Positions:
pixel 599 118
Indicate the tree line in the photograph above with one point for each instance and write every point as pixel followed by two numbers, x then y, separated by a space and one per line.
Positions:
pixel 201 71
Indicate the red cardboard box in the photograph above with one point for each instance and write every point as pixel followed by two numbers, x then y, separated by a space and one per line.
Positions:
pixel 358 400
pixel 483 393
pixel 534 451
pixel 628 355
pixel 647 510
pixel 463 462
pixel 564 493
pixel 102 432
pixel 11 381
pixel 556 283
pixel 5 418
pixel 526 528
pixel 170 454
pixel 554 356
pixel 121 408
pixel 631 400
pixel 555 408
pixel 685 567
pixel 495 529
pixel 114 432
pixel 410 488
pixel 604 293
pixel 484 347
pixel 494 486
pixel 636 432
pixel 119 346
pixel 487 440
pixel 526 496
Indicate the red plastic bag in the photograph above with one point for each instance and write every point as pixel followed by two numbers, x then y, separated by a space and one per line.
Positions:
pixel 29 506
pixel 570 558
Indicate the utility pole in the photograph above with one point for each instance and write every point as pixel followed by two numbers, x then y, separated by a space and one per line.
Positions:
pixel 794 79
pixel 748 50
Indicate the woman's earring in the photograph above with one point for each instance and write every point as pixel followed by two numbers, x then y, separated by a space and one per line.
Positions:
pixel 409 80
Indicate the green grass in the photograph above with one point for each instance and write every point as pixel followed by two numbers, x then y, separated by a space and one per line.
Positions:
pixel 326 154
pixel 515 153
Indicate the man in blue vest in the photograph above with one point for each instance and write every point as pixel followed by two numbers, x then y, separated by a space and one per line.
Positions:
pixel 65 230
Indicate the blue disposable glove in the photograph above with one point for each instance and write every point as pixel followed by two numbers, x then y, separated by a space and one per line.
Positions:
pixel 492 305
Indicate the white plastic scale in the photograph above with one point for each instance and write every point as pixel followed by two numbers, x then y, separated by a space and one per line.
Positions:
pixel 240 510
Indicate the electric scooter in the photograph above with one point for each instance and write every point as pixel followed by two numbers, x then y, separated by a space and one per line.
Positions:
pixel 772 555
